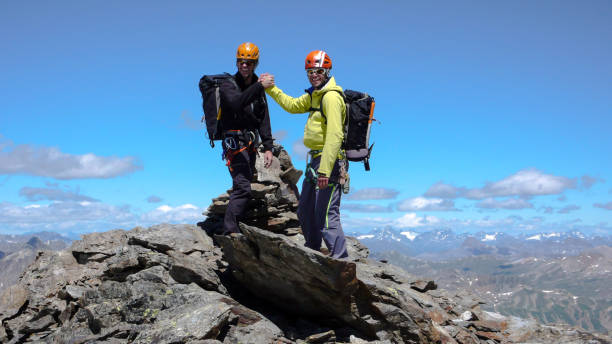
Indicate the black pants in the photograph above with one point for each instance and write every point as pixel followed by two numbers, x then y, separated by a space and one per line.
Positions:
pixel 241 168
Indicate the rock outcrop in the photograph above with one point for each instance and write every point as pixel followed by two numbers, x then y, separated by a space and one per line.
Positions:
pixel 274 198
pixel 175 284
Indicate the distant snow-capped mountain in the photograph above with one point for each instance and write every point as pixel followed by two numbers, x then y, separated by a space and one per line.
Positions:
pixel 445 244
pixel 387 233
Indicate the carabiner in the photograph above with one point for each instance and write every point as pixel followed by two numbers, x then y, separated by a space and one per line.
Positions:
pixel 230 143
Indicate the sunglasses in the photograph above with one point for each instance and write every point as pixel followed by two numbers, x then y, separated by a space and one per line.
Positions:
pixel 247 62
pixel 312 71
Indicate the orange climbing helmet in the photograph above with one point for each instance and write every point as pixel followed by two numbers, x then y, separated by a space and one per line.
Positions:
pixel 318 59
pixel 247 51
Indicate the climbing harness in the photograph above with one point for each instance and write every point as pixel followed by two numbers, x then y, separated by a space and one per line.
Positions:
pixel 312 176
pixel 237 141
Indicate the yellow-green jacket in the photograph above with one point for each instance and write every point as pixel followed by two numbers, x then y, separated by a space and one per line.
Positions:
pixel 319 134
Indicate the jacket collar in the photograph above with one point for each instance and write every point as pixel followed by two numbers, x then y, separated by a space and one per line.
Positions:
pixel 240 80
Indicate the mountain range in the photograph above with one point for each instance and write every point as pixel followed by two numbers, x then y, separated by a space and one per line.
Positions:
pixel 551 277
pixel 446 244
pixel 17 252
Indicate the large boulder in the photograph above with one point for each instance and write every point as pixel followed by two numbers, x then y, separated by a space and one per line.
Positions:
pixel 378 300
pixel 291 276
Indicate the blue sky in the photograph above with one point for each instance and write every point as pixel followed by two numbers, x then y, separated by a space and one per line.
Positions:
pixel 494 116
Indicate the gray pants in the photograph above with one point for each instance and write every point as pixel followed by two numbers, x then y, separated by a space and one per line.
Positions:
pixel 319 213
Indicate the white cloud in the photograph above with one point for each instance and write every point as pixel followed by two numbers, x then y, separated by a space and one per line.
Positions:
pixel 87 216
pixel 52 194
pixel 372 194
pixel 529 182
pixel 524 183
pixel 164 208
pixel 299 151
pixel 588 181
pixel 181 214
pixel 426 204
pixel 51 162
pixel 511 203
pixel 442 190
pixel 63 213
pixel 366 208
pixel 607 206
pixel 412 220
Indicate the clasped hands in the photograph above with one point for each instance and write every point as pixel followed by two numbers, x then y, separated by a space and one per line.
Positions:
pixel 266 80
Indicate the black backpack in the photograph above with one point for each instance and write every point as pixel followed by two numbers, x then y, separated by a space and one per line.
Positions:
pixel 357 125
pixel 211 103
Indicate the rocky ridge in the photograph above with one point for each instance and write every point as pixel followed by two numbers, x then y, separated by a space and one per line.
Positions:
pixel 176 284
pixel 19 253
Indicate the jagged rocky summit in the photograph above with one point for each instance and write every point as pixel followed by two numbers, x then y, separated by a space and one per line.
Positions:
pixel 173 284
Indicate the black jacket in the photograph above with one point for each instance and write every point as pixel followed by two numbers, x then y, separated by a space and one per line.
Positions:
pixel 246 108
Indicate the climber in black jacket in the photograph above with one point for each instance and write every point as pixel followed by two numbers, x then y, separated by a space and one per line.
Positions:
pixel 246 122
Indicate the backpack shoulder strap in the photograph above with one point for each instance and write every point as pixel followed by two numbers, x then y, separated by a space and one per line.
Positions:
pixel 232 80
pixel 218 92
pixel 320 109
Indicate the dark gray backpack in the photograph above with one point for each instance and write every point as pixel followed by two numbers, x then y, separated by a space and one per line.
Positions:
pixel 357 125
pixel 211 103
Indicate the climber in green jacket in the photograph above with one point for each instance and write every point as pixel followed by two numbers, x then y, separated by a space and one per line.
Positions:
pixel 319 206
